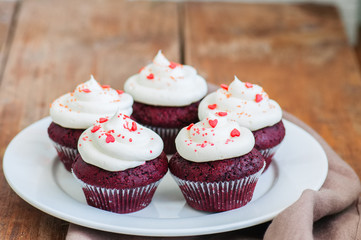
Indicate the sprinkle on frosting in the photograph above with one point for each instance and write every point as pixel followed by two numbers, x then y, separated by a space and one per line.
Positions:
pixel 190 126
pixel 119 144
pixel 172 84
pixel 102 120
pixel 87 103
pixel 222 114
pixel 224 86
pixel 258 98
pixel 246 103
pixel 212 106
pixel 213 122
pixel 235 133
pixel 205 141
pixel 248 85
pixel 150 76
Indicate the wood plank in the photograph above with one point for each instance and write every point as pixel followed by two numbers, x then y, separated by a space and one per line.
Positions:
pixel 56 50
pixel 298 53
pixel 7 10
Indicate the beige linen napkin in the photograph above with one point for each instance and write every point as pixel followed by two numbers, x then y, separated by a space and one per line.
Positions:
pixel 333 212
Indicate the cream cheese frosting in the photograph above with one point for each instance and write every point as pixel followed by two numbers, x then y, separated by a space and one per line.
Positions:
pixel 214 138
pixel 165 83
pixel 118 143
pixel 87 103
pixel 246 103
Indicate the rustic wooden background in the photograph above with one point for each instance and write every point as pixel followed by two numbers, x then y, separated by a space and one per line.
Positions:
pixel 298 53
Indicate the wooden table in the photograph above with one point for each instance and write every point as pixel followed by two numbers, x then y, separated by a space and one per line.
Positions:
pixel 298 53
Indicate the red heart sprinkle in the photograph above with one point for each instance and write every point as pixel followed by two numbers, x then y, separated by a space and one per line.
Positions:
pixel 248 85
pixel 224 86
pixel 190 126
pixel 109 138
pixel 105 86
pixel 235 133
pixel 95 128
pixel 173 65
pixel 212 106
pixel 258 98
pixel 103 120
pixel 222 114
pixel 120 92
pixel 150 76
pixel 134 126
pixel 213 123
pixel 85 90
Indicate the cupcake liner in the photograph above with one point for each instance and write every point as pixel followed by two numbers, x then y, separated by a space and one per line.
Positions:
pixel 268 154
pixel 219 196
pixel 66 155
pixel 119 200
pixel 168 136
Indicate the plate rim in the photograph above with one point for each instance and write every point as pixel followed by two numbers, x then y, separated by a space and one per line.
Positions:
pixel 135 230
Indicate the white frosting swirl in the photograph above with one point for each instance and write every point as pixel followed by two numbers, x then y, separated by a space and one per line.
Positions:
pixel 89 101
pixel 118 143
pixel 214 138
pixel 164 83
pixel 246 103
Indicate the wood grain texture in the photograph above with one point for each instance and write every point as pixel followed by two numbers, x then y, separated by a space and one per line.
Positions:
pixel 298 53
pixel 58 49
pixel 7 10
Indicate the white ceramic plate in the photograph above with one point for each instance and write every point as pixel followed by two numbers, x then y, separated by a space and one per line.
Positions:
pixel 36 175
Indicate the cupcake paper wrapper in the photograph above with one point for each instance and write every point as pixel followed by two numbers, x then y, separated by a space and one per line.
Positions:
pixel 219 196
pixel 168 136
pixel 268 154
pixel 66 155
pixel 119 200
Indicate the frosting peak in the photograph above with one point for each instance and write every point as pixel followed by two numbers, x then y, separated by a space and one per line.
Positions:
pixel 89 101
pixel 165 83
pixel 246 103
pixel 161 60
pixel 118 143
pixel 214 138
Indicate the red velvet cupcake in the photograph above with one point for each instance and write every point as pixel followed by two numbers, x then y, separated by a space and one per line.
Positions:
pixel 249 105
pixel 120 165
pixel 72 113
pixel 216 166
pixel 166 96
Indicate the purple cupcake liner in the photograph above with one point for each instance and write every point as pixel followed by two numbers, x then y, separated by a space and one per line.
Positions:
pixel 119 200
pixel 66 155
pixel 168 136
pixel 268 154
pixel 219 196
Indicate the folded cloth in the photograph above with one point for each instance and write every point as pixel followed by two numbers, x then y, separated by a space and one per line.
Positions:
pixel 333 212
pixel 330 213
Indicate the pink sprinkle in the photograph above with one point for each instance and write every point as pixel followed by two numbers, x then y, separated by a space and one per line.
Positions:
pixel 222 114
pixel 150 76
pixel 248 85
pixel 95 128
pixel 102 120
pixel 85 90
pixel 109 138
pixel 224 86
pixel 235 133
pixel 258 98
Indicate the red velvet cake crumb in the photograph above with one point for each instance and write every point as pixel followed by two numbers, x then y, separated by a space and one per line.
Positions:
pixel 217 171
pixel 151 171
pixel 64 136
pixel 167 117
pixel 269 136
